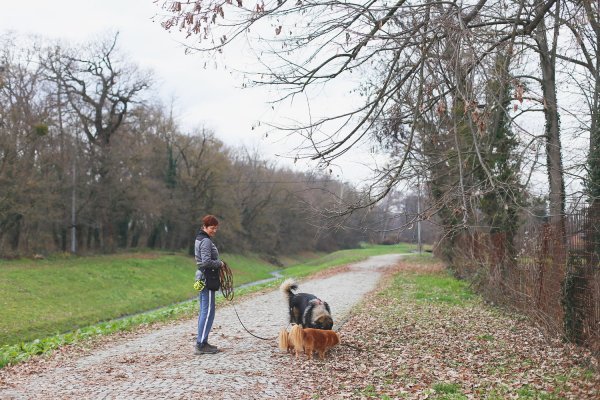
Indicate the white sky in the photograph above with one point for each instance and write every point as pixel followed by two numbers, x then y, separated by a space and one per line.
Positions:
pixel 209 97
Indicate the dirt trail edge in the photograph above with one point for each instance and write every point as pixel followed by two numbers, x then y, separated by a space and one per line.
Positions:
pixel 161 363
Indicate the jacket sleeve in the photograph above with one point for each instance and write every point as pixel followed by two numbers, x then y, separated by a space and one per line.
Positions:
pixel 206 260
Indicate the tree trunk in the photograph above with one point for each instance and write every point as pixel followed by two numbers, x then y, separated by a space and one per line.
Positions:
pixel 552 130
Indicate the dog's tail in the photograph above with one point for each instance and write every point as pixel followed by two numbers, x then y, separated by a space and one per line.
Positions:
pixel 283 340
pixel 287 288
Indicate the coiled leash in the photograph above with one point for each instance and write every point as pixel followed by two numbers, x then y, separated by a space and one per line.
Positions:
pixel 226 278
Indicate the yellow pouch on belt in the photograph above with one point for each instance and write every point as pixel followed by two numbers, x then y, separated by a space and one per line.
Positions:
pixel 199 284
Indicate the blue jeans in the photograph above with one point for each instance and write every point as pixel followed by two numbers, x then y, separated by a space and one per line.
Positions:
pixel 206 315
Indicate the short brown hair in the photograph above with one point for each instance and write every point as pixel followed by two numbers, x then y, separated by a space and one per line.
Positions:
pixel 210 220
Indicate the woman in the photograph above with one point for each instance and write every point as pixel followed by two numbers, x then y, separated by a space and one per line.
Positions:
pixel 207 256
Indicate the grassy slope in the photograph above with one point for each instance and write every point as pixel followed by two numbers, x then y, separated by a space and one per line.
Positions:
pixel 43 297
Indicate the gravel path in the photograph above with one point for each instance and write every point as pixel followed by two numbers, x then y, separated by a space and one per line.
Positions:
pixel 161 363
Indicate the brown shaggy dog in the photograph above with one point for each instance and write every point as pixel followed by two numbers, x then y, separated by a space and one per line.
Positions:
pixel 311 340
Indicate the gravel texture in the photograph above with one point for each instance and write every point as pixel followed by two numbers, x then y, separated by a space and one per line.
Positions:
pixel 160 362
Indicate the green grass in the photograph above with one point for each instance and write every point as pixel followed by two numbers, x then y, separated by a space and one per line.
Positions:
pixel 447 388
pixel 343 257
pixel 48 303
pixel 436 288
pixel 43 297
pixel 247 268
pixel 527 392
pixel 486 337
pixel 12 354
pixel 448 391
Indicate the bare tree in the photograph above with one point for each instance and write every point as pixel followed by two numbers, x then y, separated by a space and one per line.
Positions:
pixel 100 88
pixel 395 48
pixel 547 53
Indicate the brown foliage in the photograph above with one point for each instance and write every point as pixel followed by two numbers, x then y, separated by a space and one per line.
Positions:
pixel 404 348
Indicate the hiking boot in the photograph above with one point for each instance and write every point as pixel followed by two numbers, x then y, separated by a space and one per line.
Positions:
pixel 211 347
pixel 206 348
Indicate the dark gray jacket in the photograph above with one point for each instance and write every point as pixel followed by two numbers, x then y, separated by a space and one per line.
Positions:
pixel 207 255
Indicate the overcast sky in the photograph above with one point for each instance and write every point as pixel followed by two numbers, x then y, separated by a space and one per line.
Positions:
pixel 202 95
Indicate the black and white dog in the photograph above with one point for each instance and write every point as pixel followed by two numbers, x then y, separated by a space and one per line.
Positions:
pixel 306 309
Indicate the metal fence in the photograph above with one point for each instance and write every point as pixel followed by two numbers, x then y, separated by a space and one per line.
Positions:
pixel 552 274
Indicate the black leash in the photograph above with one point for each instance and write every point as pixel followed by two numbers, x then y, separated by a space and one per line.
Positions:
pixel 226 278
pixel 339 328
pixel 352 347
pixel 256 336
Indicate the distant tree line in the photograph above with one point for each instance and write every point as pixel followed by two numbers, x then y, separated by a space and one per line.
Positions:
pixel 91 162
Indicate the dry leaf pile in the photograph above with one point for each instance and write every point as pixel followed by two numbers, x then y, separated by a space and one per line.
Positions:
pixel 402 348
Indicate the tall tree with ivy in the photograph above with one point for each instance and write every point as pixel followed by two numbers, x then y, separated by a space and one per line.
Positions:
pixel 502 199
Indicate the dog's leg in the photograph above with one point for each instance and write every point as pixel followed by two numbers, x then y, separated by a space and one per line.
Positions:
pixel 290 348
pixel 309 352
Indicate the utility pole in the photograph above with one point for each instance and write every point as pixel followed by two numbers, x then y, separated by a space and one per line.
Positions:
pixel 385 216
pixel 341 201
pixel 73 166
pixel 73 208
pixel 420 246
